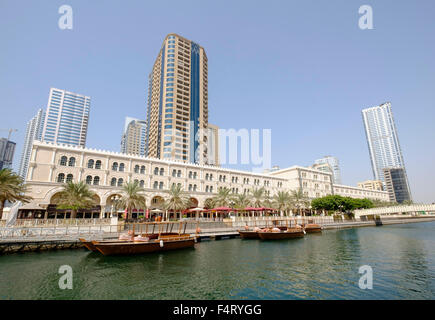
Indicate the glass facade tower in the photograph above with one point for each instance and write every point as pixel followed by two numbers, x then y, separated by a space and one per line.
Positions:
pixel 67 116
pixel 382 140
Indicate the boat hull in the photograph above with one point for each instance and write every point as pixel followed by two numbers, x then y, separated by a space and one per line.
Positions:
pixel 249 234
pixel 313 228
pixel 281 235
pixel 131 248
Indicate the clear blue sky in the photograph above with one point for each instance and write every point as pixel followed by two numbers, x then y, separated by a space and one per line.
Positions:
pixel 302 68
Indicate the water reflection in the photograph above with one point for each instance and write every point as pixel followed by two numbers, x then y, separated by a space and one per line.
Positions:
pixel 316 267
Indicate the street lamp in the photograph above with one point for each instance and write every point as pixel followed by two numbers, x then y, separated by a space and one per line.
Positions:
pixel 114 200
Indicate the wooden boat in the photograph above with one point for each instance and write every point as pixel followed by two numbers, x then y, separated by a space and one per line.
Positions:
pixel 162 243
pixel 281 235
pixel 312 228
pixel 249 234
pixel 91 247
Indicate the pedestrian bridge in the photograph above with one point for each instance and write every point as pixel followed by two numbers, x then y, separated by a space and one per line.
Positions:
pixel 412 209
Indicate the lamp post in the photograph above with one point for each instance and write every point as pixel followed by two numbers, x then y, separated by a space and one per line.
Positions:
pixel 114 200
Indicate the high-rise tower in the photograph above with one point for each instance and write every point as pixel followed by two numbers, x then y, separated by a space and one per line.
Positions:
pixel 177 115
pixel 133 138
pixel 33 132
pixel 66 119
pixel 382 140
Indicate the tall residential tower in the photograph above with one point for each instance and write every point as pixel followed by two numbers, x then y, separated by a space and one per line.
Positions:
pixel 134 136
pixel 329 164
pixel 33 132
pixel 177 115
pixel 382 140
pixel 67 116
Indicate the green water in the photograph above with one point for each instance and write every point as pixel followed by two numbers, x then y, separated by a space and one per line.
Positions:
pixel 319 266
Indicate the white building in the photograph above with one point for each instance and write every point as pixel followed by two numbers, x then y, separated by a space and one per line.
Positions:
pixel 33 132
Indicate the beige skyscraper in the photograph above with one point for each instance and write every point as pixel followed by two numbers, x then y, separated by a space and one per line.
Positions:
pixel 177 114
pixel 213 144
pixel 133 138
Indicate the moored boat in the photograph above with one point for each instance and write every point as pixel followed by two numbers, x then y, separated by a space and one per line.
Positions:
pixel 312 228
pixel 162 243
pixel 277 234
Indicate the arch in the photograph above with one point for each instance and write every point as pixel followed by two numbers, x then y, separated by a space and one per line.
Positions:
pixel 142 183
pixel 61 178
pixel 63 161
pixel 162 171
pixel 120 182
pixel 121 167
pixel 136 168
pixel 156 170
pixel 142 169
pixel 193 202
pixel 72 162
pixel 90 163
pixel 157 202
pixel 98 164
pixel 69 178
pixel 96 181
pixel 113 182
pixel 89 180
pixel 115 166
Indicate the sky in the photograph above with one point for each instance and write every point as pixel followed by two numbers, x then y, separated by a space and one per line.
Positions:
pixel 303 69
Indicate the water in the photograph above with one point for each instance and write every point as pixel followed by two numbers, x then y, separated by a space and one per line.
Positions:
pixel 319 266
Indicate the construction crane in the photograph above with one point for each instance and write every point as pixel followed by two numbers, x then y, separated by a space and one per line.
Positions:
pixel 10 132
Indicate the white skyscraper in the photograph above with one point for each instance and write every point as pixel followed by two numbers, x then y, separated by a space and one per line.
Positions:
pixel 33 132
pixel 134 136
pixel 382 140
pixel 329 163
pixel 67 116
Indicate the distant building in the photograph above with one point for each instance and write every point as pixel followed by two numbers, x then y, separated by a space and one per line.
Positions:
pixel 134 137
pixel 382 139
pixel 397 184
pixel 371 185
pixel 33 132
pixel 7 149
pixel 329 164
pixel 212 145
pixel 67 117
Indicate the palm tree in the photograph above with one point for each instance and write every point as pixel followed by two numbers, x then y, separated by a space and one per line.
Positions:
pixel 299 199
pixel 258 197
pixel 223 197
pixel 131 198
pixel 12 188
pixel 241 201
pixel 75 196
pixel 177 200
pixel 281 201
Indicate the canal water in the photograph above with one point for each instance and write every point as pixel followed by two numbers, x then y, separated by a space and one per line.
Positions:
pixel 319 266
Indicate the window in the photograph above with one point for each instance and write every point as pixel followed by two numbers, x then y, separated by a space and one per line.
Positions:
pixel 63 161
pixel 161 185
pixel 156 171
pixel 98 164
pixel 61 178
pixel 155 185
pixel 142 183
pixel 120 182
pixel 142 169
pixel 113 182
pixel 90 164
pixel 162 171
pixel 72 162
pixel 174 173
pixel 136 168
pixel 69 178
pixel 121 167
pixel 88 179
pixel 96 181
pixel 179 173
pixel 115 166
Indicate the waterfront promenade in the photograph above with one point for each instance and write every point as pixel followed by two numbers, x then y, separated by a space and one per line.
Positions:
pixel 39 236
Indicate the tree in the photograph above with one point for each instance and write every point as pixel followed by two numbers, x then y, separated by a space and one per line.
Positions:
pixel 241 201
pixel 281 201
pixel 131 198
pixel 223 197
pixel 258 197
pixel 177 200
pixel 299 199
pixel 339 203
pixel 75 196
pixel 12 188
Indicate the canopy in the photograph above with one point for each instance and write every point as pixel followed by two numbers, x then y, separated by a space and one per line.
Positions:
pixel 196 209
pixel 222 209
